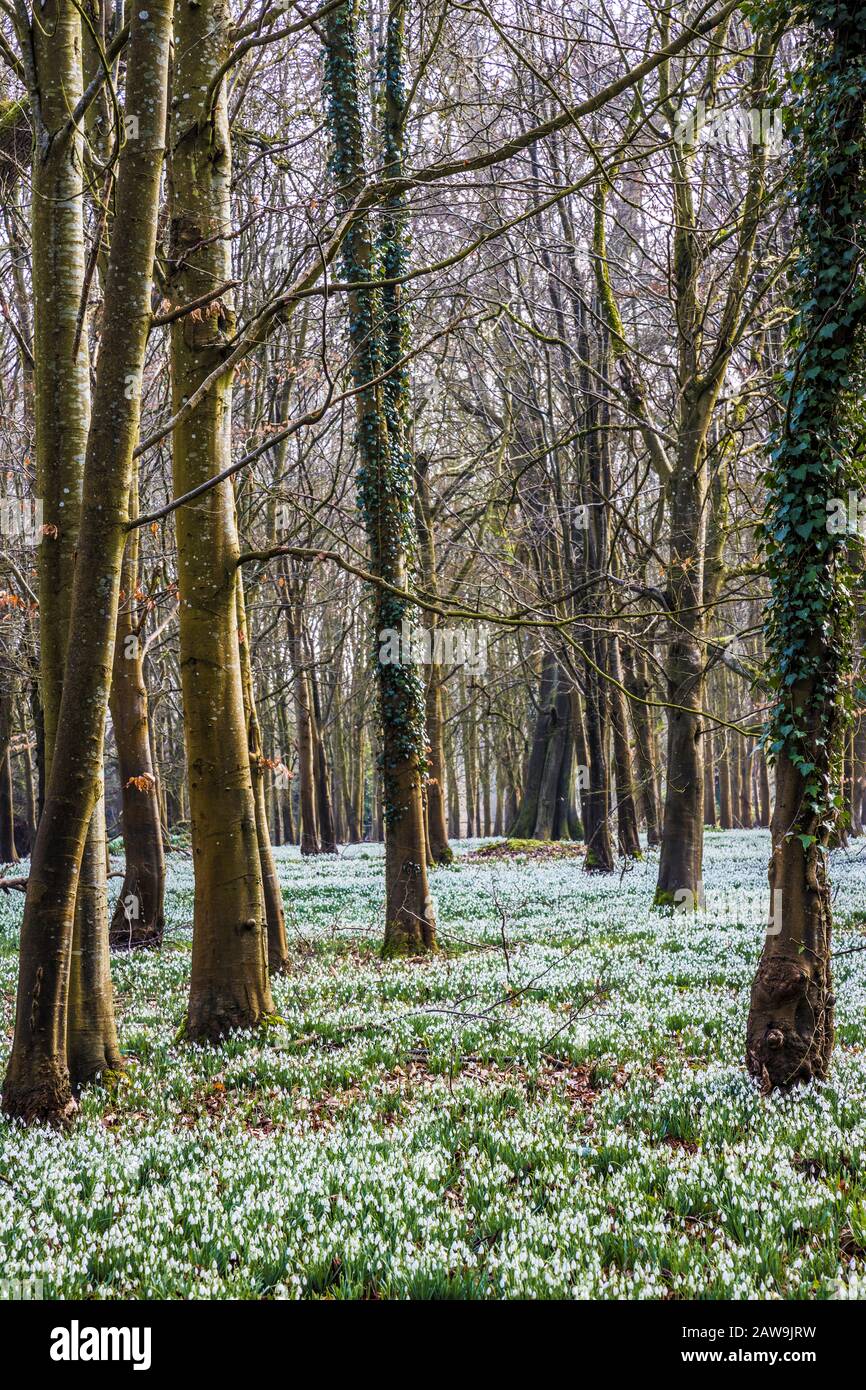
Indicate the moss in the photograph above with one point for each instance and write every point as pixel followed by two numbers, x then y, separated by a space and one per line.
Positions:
pixel 399 944
pixel 272 1021
pixel 15 138
pixel 607 299
pixel 13 115
pixel 666 899
pixel 511 846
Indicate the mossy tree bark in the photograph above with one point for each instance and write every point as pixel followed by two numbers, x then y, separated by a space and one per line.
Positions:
pixel 640 691
pixel 710 816
pixel 8 852
pixel 275 917
pixel 303 701
pixel 91 1034
pixel 523 827
pixel 551 820
pixel 545 804
pixel 229 986
pixel 324 798
pixel 62 418
pixel 437 829
pixel 37 1083
pixel 595 801
pixel 138 915
pixel 701 372
pixel 626 810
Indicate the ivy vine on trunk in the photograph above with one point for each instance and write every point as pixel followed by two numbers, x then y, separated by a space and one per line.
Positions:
pixel 810 567
pixel 378 333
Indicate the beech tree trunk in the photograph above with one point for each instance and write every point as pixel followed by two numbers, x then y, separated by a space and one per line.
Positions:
pixel 229 985
pixel 91 1037
pixel 138 915
pixel 30 805
pixel 275 917
pixel 595 801
pixel 470 765
pixel 37 1083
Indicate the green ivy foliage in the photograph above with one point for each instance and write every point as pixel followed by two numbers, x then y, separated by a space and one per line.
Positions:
pixel 379 339
pixel 816 453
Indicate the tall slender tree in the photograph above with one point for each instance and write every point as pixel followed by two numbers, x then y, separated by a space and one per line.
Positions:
pixel 229 986
pixel 378 333
pixel 37 1083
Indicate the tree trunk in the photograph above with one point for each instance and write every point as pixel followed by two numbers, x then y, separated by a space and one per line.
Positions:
pixel 581 767
pixel 681 860
pixel 37 714
pixel 710 817
pixel 789 1036
pixel 527 817
pixel 551 814
pixel 386 489
pixel 30 809
pixel 355 812
pixel 437 830
pixel 340 779
pixel 470 761
pixel 453 788
pixel 91 1037
pixel 484 791
pixel 229 985
pixel 859 770
pixel 626 814
pixel 745 784
pixel 595 799
pixel 324 800
pixel 275 918
pixel 138 915
pixel 304 733
pixel 638 686
pixel 763 791
pixel 8 853
pixel 37 1085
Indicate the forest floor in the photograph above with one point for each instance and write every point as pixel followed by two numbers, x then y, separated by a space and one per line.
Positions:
pixel 555 1107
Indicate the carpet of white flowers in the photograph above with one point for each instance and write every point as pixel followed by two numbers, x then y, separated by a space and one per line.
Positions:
pixel 556 1107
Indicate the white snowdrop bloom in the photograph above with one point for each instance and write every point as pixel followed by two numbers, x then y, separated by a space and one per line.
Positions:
pixel 418 1152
